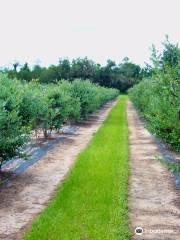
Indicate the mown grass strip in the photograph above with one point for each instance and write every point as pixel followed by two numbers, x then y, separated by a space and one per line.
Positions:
pixel 91 204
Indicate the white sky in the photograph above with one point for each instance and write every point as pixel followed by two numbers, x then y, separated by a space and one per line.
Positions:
pixel 98 29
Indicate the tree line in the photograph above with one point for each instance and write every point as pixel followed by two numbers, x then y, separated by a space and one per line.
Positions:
pixel 121 76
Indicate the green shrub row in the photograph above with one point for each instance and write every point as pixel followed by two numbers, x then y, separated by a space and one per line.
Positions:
pixel 158 97
pixel 158 101
pixel 27 107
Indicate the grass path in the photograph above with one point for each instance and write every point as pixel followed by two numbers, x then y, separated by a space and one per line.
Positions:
pixel 92 201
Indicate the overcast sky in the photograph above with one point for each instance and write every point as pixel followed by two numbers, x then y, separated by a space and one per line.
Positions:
pixel 99 29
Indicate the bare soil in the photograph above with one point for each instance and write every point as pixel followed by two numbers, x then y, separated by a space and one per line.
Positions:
pixel 29 192
pixel 154 203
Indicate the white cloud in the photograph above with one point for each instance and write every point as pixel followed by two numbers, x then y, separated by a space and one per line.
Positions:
pixel 99 29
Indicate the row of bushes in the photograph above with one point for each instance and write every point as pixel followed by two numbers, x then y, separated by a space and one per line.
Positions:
pixel 27 107
pixel 158 97
pixel 158 101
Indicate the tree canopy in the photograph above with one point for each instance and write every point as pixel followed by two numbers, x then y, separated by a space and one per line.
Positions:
pixel 121 76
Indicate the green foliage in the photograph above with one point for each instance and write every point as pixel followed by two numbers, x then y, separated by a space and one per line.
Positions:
pixel 74 104
pixel 25 107
pixel 91 96
pixel 64 69
pixel 158 98
pixel 82 68
pixel 122 76
pixel 13 134
pixel 59 106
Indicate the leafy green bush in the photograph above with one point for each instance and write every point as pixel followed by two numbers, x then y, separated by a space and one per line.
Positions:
pixel 74 105
pixel 85 92
pixel 13 134
pixel 91 96
pixel 59 107
pixel 158 98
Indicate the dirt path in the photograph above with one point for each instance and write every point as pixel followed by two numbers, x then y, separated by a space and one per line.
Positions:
pixel 153 200
pixel 30 191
